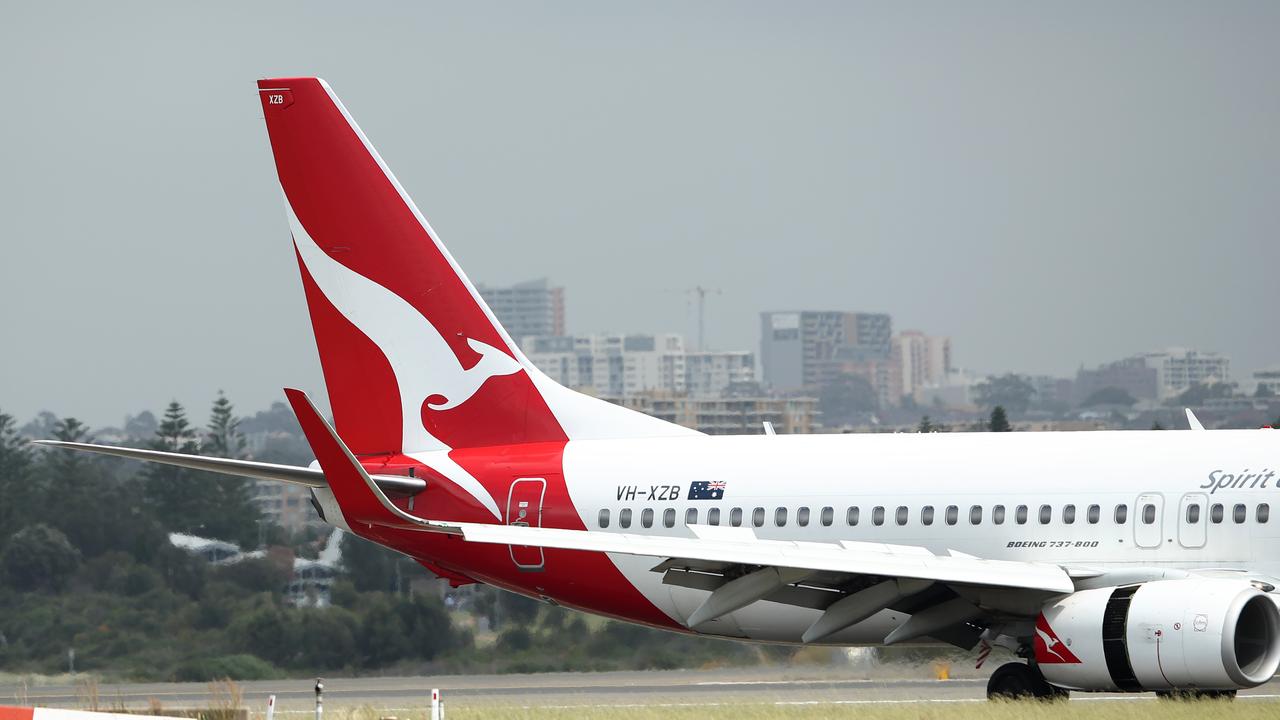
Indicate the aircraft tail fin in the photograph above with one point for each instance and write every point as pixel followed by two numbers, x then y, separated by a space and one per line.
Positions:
pixel 413 358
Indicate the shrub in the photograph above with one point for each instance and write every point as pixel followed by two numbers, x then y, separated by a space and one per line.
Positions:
pixel 232 667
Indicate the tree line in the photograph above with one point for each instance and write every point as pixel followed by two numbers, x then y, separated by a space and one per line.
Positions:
pixel 86 565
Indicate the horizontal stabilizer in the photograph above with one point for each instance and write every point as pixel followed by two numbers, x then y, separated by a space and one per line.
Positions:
pixel 356 493
pixel 310 477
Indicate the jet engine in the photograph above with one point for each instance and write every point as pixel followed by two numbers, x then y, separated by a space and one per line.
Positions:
pixel 1188 634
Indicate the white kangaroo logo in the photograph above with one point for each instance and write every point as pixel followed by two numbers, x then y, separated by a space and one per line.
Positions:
pixel 1050 643
pixel 493 362
pixel 424 365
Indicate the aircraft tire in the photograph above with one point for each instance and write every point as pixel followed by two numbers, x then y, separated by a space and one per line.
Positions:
pixel 1021 681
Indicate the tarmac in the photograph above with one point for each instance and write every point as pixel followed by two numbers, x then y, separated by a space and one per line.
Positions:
pixel 782 686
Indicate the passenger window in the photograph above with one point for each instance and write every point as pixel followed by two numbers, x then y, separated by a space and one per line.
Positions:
pixel 1122 514
pixel 1215 513
pixel 1095 514
pixel 997 515
pixel 624 518
pixel 1068 514
pixel 735 517
pixel 669 517
pixel 828 516
pixel 975 515
pixel 780 517
pixel 802 517
pixel 901 515
pixel 877 515
pixel 1264 513
pixel 1238 513
pixel 926 515
pixel 1046 514
pixel 1148 514
pixel 604 518
pixel 1020 515
pixel 851 517
pixel 757 517
pixel 953 514
pixel 1193 514
pixel 691 516
pixel 646 517
pixel 713 516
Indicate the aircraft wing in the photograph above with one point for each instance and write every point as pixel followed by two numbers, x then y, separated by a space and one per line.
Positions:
pixel 740 546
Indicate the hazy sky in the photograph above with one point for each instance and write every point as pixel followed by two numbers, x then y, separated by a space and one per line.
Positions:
pixel 1049 185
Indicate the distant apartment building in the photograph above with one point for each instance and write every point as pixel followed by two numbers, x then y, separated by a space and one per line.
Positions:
pixel 1155 376
pixel 922 360
pixel 1267 381
pixel 283 504
pixel 1131 375
pixel 1177 369
pixel 714 373
pixel 728 416
pixel 612 365
pixel 805 349
pixel 528 308
pixel 1051 393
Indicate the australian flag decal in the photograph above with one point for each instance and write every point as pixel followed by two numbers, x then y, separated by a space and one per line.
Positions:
pixel 706 490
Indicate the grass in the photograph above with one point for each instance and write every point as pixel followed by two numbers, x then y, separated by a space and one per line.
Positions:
pixel 1136 709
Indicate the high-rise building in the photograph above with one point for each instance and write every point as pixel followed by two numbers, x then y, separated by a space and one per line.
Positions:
pixel 612 365
pixel 922 360
pixel 1177 369
pixel 805 349
pixel 528 308
pixel 714 373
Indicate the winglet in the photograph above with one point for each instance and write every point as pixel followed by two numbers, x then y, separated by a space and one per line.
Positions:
pixel 1193 421
pixel 359 497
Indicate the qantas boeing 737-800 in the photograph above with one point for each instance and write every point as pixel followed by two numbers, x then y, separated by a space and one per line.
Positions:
pixel 1108 561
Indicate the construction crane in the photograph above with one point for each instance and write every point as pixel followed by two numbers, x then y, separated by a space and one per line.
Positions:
pixel 701 293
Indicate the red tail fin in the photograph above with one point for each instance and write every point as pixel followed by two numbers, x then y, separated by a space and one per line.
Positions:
pixel 412 357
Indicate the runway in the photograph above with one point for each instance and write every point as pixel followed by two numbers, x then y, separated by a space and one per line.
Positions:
pixel 782 686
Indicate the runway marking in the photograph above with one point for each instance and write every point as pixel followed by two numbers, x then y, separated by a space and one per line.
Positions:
pixel 852 681
pixel 780 703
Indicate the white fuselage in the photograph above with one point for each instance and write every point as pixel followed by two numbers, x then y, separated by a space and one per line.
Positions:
pixel 1042 497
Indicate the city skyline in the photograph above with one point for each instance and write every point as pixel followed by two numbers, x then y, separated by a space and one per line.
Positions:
pixel 1049 187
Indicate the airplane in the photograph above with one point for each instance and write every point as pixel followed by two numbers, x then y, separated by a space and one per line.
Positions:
pixel 1105 561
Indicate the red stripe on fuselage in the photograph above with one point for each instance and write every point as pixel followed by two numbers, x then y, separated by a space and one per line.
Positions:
pixel 584 580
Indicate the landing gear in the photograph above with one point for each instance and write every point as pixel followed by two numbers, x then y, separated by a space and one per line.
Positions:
pixel 1196 694
pixel 1021 681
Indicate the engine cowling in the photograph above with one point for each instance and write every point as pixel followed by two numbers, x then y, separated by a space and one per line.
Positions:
pixel 1193 633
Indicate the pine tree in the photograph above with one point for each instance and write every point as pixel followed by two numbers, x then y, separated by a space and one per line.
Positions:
pixel 225 438
pixel 69 462
pixel 17 492
pixel 65 474
pixel 175 433
pixel 926 425
pixel 999 420
pixel 234 516
pixel 175 495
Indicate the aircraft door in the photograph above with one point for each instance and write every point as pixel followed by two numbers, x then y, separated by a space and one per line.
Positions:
pixel 1193 520
pixel 524 508
pixel 1148 520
